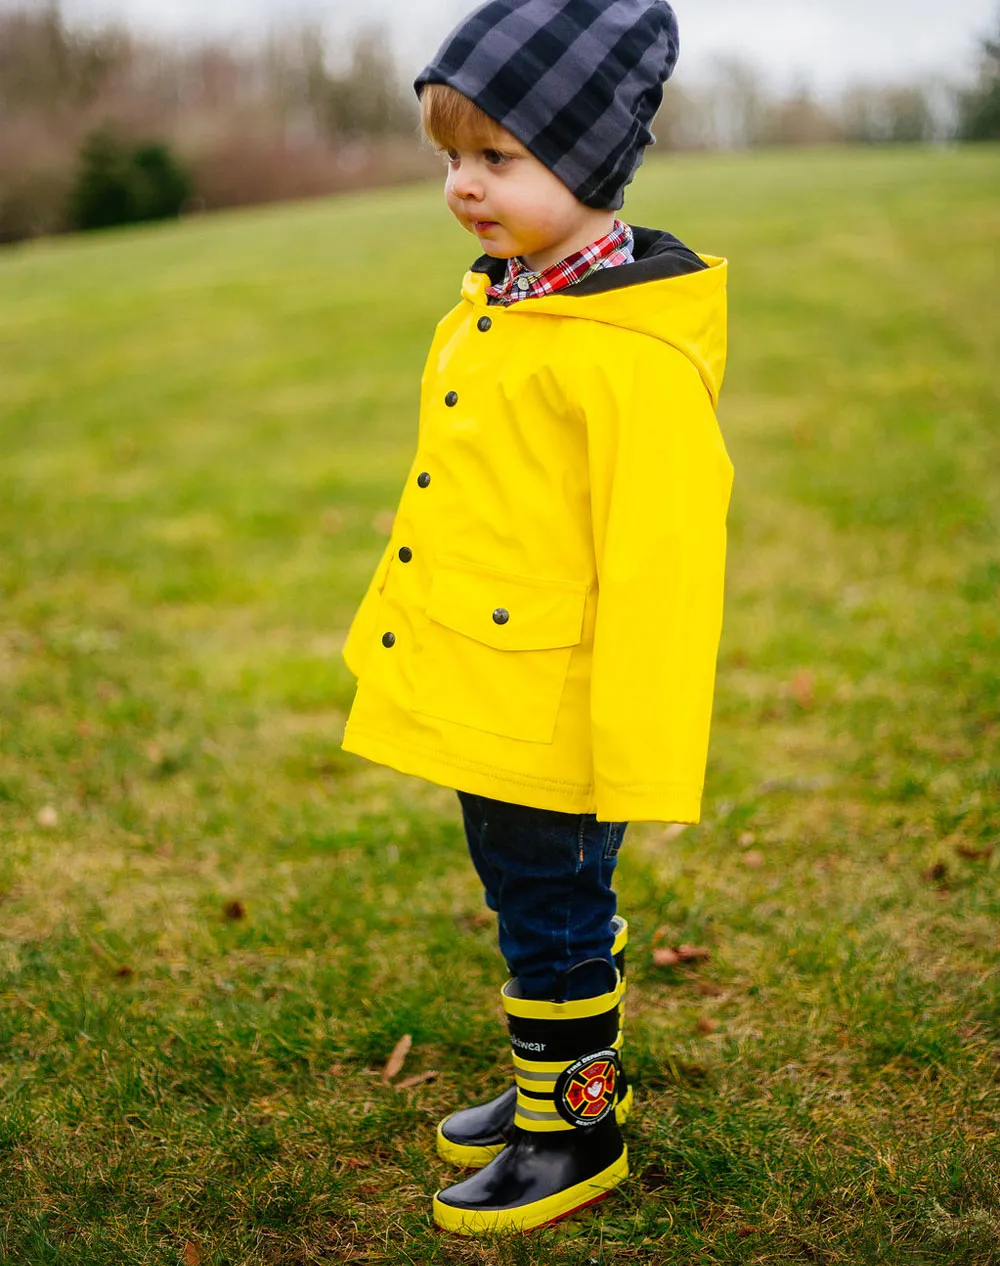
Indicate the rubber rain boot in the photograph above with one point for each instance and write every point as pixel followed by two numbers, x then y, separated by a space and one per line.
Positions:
pixel 471 1137
pixel 566 1150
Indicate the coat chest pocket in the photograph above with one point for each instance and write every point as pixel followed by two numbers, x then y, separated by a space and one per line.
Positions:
pixel 496 649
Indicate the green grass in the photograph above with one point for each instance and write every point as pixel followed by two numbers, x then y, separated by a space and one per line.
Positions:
pixel 204 431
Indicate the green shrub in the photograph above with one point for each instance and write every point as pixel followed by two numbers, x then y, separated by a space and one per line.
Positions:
pixel 121 184
pixel 979 110
pixel 981 114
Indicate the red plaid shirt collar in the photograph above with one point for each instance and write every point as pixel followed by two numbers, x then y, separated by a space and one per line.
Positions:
pixel 521 283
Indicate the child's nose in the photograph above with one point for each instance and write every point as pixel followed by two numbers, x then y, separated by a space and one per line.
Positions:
pixel 464 184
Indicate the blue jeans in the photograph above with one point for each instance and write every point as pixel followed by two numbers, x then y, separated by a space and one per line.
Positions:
pixel 547 876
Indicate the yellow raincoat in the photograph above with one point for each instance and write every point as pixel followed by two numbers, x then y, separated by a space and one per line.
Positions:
pixel 544 623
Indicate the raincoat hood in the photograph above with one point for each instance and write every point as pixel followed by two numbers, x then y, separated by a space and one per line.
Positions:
pixel 668 292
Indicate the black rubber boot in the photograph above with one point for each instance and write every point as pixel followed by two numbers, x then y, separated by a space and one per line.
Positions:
pixel 566 1149
pixel 472 1137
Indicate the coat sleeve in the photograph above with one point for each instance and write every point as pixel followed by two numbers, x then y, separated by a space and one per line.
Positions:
pixel 660 484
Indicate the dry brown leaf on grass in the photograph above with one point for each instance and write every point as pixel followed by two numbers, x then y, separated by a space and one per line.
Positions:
pixel 192 1254
pixel 937 873
pixel 409 1082
pixel 974 854
pixel 706 1025
pixel 754 859
pixel 234 910
pixel 395 1062
pixel 801 688
pixel 122 970
pixel 665 956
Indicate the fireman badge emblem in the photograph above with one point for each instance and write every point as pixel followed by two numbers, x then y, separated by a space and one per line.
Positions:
pixel 587 1091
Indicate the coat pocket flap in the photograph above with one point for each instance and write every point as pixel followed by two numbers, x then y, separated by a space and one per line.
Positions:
pixel 512 613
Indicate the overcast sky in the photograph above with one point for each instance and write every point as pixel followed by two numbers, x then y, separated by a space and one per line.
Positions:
pixel 825 42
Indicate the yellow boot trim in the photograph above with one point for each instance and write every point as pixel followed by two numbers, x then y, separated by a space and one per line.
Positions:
pixel 538 1213
pixel 538 1115
pixel 623 1108
pixel 621 940
pixel 522 1065
pixel 581 1009
pixel 538 1079
pixel 537 1083
pixel 463 1155
pixel 542 1125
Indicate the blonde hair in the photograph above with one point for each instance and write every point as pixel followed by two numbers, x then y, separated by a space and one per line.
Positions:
pixel 450 119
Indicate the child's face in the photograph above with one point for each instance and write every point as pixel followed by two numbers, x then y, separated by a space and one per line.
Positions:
pixel 500 192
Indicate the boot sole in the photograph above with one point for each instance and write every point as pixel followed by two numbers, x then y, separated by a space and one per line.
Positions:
pixel 539 1213
pixel 467 1157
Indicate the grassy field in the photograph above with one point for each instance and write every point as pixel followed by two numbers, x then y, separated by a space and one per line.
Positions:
pixel 215 926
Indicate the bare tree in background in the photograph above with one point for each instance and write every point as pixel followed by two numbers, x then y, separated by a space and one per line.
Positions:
pixel 48 69
pixel 724 110
pixel 898 115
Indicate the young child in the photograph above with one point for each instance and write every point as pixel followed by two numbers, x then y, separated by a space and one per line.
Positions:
pixel 541 632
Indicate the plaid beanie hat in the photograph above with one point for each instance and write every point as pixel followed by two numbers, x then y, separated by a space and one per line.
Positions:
pixel 578 82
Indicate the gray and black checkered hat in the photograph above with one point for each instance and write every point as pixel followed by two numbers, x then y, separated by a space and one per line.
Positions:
pixel 578 82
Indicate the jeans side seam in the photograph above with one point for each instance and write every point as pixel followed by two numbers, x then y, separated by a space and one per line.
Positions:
pixel 576 882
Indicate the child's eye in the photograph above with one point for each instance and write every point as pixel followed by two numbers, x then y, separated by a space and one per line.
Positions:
pixel 493 157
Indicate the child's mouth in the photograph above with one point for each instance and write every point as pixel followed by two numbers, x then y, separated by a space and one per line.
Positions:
pixel 484 226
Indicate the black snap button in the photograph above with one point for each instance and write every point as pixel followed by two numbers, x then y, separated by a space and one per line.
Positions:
pixel 405 553
pixel 423 479
pixel 451 399
pixel 388 639
pixel 500 616
pixel 484 323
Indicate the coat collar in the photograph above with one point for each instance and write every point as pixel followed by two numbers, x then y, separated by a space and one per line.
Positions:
pixel 657 255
